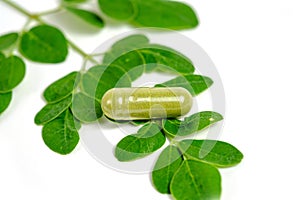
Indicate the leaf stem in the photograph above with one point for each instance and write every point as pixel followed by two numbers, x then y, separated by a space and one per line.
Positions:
pixel 37 18
pixel 18 8
pixel 49 12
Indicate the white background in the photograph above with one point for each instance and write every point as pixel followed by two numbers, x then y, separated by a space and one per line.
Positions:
pixel 255 46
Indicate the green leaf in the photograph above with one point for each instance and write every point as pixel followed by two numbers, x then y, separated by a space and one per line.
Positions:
pixel 131 42
pixel 167 59
pixel 85 108
pixel 132 62
pixel 2 56
pixel 8 40
pixel 99 79
pixel 148 139
pixel 5 100
pixel 12 72
pixel 87 16
pixel 52 111
pixel 62 88
pixel 45 44
pixel 191 124
pixel 135 50
pixel 167 164
pixel 196 180
pixel 125 45
pixel 195 84
pixel 61 134
pixel 164 14
pixel 220 154
pixel 117 9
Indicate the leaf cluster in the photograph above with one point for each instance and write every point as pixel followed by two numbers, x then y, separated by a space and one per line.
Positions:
pixel 187 169
pixel 44 43
pixel 81 92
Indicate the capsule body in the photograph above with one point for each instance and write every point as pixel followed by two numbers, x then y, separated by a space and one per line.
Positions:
pixel 146 103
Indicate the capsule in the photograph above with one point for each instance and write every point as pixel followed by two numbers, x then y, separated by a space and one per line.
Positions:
pixel 146 103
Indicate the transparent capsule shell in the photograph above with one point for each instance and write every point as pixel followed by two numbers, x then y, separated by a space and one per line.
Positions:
pixel 146 103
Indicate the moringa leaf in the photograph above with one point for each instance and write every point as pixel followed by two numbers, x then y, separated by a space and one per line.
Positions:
pixel 131 42
pixel 167 164
pixel 62 88
pixel 85 108
pixel 45 44
pixel 125 45
pixel 167 59
pixel 191 124
pixel 164 14
pixel 12 72
pixel 135 50
pixel 2 56
pixel 220 154
pixel 195 84
pixel 195 180
pixel 87 16
pixel 8 40
pixel 5 99
pixel 154 13
pixel 118 9
pixel 52 111
pixel 61 134
pixel 132 62
pixel 90 80
pixel 148 139
pixel 100 78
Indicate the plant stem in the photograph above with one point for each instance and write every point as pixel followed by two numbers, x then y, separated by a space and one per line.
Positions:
pixel 37 18
pixel 49 12
pixel 18 8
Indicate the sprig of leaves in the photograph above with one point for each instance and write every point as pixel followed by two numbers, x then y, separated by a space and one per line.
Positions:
pixel 187 169
pixel 45 43
pixel 81 92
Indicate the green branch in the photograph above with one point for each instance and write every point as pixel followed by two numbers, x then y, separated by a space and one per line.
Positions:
pixel 37 18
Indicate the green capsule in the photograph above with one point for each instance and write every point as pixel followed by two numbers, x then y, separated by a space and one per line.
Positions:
pixel 146 103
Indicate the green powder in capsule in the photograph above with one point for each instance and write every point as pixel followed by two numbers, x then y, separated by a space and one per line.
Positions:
pixel 146 103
